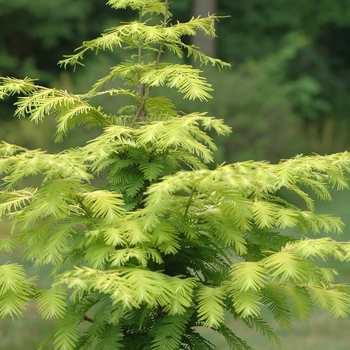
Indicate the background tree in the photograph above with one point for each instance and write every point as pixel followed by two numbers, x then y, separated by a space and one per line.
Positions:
pixel 203 8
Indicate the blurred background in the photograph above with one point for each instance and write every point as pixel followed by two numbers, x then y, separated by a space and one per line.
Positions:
pixel 286 94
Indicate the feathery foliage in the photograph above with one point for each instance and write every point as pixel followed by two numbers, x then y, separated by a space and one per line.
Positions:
pixel 164 245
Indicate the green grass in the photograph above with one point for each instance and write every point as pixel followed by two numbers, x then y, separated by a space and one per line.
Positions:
pixel 25 333
pixel 321 332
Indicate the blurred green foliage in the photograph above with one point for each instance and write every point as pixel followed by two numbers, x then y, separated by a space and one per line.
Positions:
pixel 318 73
pixel 288 92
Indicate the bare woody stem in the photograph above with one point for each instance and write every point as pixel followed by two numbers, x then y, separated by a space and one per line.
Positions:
pixel 160 51
pixel 143 92
pixel 140 86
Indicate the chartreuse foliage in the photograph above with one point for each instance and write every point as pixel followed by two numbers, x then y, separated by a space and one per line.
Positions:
pixel 164 246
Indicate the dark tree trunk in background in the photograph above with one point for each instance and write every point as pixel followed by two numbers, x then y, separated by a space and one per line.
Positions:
pixel 202 8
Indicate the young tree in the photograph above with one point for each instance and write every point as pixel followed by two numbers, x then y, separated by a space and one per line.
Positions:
pixel 163 245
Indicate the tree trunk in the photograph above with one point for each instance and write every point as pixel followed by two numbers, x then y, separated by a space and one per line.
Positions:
pixel 202 8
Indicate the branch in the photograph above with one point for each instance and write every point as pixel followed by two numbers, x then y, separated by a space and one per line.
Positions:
pixel 88 319
pixel 188 203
